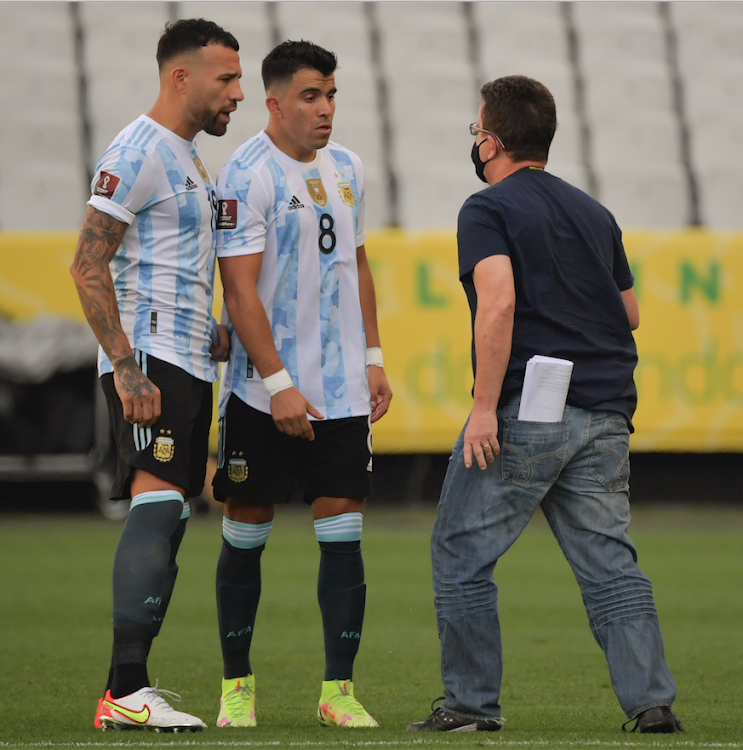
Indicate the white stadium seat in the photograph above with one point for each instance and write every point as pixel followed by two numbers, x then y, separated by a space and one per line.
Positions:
pixel 630 112
pixel 645 196
pixel 42 177
pixel 711 65
pixel 123 83
pixel 432 99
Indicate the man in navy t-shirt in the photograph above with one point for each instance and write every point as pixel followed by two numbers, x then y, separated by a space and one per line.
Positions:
pixel 545 273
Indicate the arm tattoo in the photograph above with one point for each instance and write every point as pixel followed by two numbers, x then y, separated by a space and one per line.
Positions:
pixel 99 240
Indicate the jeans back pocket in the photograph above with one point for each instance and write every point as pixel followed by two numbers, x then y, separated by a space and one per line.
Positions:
pixel 609 463
pixel 533 453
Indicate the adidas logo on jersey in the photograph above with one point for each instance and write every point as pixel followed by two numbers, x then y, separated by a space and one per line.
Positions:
pixel 190 184
pixel 295 203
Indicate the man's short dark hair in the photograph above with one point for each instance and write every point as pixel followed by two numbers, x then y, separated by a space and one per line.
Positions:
pixel 190 35
pixel 521 111
pixel 284 60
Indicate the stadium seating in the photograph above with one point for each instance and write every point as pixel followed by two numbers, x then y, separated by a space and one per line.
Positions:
pixel 432 100
pixel 120 65
pixel 343 28
pixel 530 39
pixel 652 79
pixel 249 23
pixel 711 64
pixel 42 170
pixel 630 111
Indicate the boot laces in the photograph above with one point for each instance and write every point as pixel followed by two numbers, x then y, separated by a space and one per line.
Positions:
pixel 159 694
pixel 347 702
pixel 238 700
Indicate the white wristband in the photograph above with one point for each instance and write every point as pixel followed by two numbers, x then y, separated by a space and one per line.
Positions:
pixel 374 356
pixel 277 382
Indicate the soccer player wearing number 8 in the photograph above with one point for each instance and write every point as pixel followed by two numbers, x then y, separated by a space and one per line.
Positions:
pixel 305 378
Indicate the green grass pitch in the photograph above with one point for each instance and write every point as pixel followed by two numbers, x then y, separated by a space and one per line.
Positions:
pixel 55 638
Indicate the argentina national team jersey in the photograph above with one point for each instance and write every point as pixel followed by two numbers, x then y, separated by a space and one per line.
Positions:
pixel 307 219
pixel 163 271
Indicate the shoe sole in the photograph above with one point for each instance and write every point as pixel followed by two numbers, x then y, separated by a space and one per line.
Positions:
pixel 116 727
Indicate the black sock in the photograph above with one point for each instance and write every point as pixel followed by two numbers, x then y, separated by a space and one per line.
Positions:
pixel 170 576
pixel 141 567
pixel 238 593
pixel 341 592
pixel 131 646
pixel 157 620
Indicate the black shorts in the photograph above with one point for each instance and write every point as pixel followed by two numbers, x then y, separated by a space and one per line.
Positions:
pixel 259 465
pixel 176 447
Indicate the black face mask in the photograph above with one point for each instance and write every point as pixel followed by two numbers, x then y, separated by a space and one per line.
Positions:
pixel 477 161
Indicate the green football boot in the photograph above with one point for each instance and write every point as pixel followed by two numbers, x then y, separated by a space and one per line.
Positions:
pixel 338 707
pixel 237 706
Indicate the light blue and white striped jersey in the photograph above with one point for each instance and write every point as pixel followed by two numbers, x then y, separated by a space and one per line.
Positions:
pixel 307 219
pixel 163 271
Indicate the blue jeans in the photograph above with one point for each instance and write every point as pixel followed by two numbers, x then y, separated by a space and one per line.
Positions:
pixel 578 471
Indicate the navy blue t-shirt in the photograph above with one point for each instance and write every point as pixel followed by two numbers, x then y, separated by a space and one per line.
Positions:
pixel 569 267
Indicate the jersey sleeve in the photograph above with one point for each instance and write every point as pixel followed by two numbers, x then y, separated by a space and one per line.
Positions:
pixel 244 207
pixel 125 183
pixel 479 234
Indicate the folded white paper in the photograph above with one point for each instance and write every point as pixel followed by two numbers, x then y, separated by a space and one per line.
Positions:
pixel 545 389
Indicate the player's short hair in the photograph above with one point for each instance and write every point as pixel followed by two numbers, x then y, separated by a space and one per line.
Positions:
pixel 190 35
pixel 521 111
pixel 284 60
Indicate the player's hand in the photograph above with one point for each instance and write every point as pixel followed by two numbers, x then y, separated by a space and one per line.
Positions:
pixel 379 390
pixel 140 397
pixel 221 352
pixel 481 439
pixel 289 409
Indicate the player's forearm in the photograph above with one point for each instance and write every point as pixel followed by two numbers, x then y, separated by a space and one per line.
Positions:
pixel 253 329
pixel 493 336
pixel 368 300
pixel 99 239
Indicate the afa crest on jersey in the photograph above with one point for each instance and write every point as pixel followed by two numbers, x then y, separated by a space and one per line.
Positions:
pixel 163 448
pixel 347 194
pixel 317 192
pixel 202 169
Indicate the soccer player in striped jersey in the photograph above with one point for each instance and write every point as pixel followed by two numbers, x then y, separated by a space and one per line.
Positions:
pixel 144 270
pixel 305 378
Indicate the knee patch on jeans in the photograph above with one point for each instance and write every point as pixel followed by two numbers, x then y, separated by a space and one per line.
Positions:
pixel 345 527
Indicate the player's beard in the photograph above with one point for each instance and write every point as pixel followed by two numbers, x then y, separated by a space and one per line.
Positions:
pixel 208 120
pixel 211 125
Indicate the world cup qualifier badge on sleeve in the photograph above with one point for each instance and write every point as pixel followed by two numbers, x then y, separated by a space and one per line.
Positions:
pixel 227 214
pixel 106 185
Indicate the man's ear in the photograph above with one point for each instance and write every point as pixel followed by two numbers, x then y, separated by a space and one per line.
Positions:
pixel 491 149
pixel 178 78
pixel 273 105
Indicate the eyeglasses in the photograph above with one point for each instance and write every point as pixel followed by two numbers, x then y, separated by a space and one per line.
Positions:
pixel 474 130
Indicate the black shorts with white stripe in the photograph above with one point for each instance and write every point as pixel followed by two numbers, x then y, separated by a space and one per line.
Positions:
pixel 258 465
pixel 176 447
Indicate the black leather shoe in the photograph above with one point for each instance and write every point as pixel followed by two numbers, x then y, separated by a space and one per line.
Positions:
pixel 656 720
pixel 442 720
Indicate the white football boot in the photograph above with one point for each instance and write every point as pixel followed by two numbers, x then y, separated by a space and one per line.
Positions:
pixel 148 709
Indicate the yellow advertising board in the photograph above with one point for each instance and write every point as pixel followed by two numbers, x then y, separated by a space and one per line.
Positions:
pixel 689 284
